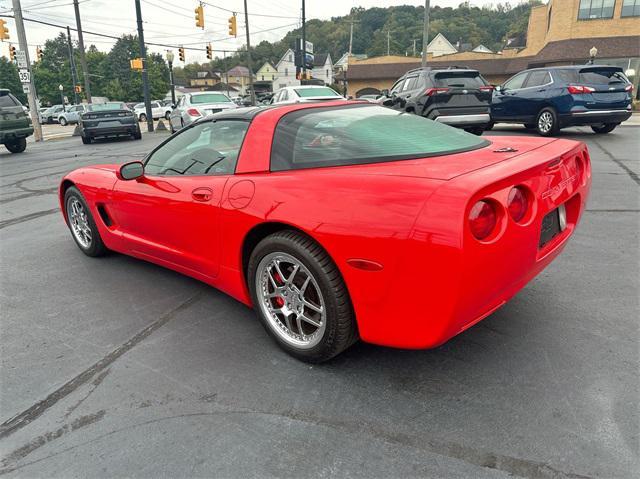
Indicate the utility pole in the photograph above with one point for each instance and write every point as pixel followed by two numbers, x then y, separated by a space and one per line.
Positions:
pixel 145 76
pixel 31 94
pixel 72 64
pixel 304 42
pixel 246 22
pixel 425 33
pixel 83 58
pixel 352 22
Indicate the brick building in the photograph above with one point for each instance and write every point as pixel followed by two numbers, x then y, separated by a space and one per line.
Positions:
pixel 559 33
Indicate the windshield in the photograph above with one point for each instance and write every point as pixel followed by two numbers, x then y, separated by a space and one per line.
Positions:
pixel 358 134
pixel 209 98
pixel 313 92
pixel 111 105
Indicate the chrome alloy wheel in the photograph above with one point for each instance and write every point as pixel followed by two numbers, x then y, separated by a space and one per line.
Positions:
pixel 291 300
pixel 545 122
pixel 79 222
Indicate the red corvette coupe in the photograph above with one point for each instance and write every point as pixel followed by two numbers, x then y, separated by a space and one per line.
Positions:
pixel 340 220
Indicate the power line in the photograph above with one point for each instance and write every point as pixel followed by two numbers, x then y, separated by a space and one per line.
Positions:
pixel 250 14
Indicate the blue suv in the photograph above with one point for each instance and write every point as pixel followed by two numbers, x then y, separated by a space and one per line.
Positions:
pixel 547 99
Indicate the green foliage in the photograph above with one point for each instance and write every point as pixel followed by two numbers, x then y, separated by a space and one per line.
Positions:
pixel 9 79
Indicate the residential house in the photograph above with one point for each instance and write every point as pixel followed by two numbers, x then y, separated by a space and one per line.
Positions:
pixel 482 49
pixel 286 71
pixel 204 79
pixel 239 77
pixel 323 68
pixel 267 72
pixel 440 46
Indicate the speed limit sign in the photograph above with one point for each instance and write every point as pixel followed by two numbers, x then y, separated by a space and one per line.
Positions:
pixel 25 76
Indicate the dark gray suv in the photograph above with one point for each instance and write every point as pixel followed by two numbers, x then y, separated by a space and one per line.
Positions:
pixel 456 96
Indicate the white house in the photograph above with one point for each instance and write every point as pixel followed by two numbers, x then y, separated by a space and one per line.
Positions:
pixel 286 68
pixel 481 49
pixel 323 68
pixel 440 46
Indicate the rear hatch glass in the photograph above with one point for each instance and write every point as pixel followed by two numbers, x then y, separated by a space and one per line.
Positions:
pixel 459 80
pixel 609 84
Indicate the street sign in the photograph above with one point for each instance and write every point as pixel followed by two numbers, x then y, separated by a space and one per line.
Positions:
pixel 21 57
pixel 25 76
pixel 26 88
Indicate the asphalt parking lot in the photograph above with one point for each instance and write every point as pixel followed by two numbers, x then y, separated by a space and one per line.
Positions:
pixel 113 367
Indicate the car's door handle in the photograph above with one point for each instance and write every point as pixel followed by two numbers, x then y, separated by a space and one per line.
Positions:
pixel 202 194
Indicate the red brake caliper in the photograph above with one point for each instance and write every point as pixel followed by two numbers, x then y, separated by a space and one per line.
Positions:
pixel 278 300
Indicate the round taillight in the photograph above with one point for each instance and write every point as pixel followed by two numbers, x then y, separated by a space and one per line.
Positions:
pixel 517 204
pixel 482 219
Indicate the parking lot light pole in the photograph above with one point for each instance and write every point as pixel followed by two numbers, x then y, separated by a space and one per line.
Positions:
pixel 61 88
pixel 173 87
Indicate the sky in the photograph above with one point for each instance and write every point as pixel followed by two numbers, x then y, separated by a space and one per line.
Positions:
pixel 173 22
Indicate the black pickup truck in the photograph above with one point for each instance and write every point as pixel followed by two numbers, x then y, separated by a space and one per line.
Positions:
pixel 15 124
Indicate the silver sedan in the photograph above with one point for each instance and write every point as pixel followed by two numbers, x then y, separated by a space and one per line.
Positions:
pixel 193 106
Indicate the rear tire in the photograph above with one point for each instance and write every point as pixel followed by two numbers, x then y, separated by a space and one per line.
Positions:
pixel 16 146
pixel 63 121
pixel 547 122
pixel 279 268
pixel 142 117
pixel 167 115
pixel 605 128
pixel 81 224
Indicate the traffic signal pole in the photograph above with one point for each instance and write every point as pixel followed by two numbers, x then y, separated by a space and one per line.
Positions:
pixel 425 33
pixel 83 58
pixel 145 76
pixel 31 95
pixel 246 22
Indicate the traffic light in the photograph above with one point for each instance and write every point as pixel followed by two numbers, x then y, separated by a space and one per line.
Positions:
pixel 209 52
pixel 4 31
pixel 233 26
pixel 181 54
pixel 199 16
pixel 136 63
pixel 38 54
pixel 12 53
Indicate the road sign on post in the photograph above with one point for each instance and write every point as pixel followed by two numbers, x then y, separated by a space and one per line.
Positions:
pixel 25 76
pixel 21 58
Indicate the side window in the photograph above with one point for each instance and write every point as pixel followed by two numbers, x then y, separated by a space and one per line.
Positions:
pixel 397 86
pixel 567 76
pixel 410 84
pixel 284 95
pixel 209 148
pixel 7 100
pixel 516 82
pixel 537 78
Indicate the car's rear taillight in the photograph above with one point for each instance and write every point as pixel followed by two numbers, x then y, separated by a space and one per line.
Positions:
pixel 482 219
pixel 486 88
pixel 580 89
pixel 628 88
pixel 193 112
pixel 435 91
pixel 517 203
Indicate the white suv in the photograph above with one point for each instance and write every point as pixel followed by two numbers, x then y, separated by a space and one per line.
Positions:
pixel 304 94
pixel 157 111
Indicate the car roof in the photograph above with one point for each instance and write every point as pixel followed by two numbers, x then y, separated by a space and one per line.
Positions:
pixel 306 86
pixel 441 69
pixel 573 67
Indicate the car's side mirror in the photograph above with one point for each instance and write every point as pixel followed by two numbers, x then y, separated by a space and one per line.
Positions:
pixel 385 92
pixel 499 88
pixel 131 171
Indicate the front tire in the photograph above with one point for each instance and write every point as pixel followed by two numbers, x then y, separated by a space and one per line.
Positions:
pixel 86 140
pixel 81 224
pixel 300 297
pixel 63 121
pixel 547 122
pixel 16 146
pixel 605 128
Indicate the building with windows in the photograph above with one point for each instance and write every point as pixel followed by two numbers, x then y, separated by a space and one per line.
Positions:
pixel 239 77
pixel 561 32
pixel 286 69
pixel 205 79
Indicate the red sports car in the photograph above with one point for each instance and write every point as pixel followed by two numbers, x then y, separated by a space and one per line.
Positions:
pixel 340 220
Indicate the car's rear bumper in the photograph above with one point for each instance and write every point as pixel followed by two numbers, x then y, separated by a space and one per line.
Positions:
pixel 464 120
pixel 591 117
pixel 451 281
pixel 15 134
pixel 112 131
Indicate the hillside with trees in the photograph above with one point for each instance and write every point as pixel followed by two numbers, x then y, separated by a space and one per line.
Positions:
pixel 112 77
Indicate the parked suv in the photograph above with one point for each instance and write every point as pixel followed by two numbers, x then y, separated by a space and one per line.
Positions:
pixel 547 99
pixel 459 97
pixel 15 124
pixel 72 114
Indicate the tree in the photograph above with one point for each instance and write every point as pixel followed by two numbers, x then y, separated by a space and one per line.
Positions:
pixel 9 79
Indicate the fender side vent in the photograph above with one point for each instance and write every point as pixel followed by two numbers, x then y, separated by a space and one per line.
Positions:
pixel 106 219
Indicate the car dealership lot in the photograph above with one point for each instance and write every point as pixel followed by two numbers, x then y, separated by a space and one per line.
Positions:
pixel 114 367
